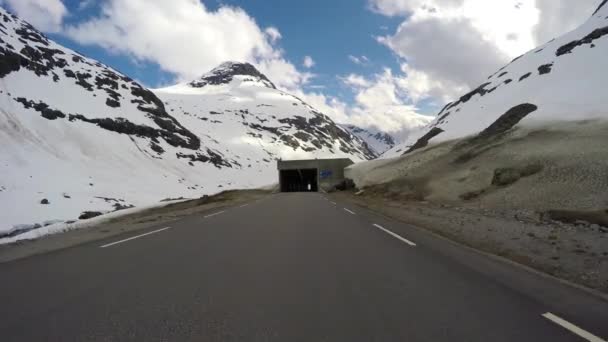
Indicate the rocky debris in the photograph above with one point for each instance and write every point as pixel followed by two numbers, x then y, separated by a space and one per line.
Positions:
pixel 424 140
pixel 505 176
pixel 595 219
pixel 510 175
pixel 85 215
pixel 120 206
pixel 44 201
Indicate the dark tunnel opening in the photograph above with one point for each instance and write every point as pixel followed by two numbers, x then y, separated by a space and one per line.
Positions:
pixel 299 180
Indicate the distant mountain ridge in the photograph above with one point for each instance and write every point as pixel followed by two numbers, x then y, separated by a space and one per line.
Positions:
pixel 376 139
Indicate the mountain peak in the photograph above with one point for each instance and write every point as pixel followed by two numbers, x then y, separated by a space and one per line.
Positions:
pixel 225 73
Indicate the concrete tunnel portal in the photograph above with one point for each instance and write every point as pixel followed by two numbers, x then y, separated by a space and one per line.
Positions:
pixel 311 174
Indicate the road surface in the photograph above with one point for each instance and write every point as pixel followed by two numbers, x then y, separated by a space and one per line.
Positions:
pixel 290 267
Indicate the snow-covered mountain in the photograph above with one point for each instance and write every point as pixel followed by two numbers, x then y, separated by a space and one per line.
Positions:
pixel 77 135
pixel 376 139
pixel 562 80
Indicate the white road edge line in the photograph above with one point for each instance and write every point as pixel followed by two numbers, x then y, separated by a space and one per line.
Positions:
pixel 350 211
pixel 219 212
pixel 134 237
pixel 334 203
pixel 244 205
pixel 573 328
pixel 397 236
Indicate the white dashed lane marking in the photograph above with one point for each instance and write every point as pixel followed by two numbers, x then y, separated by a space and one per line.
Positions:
pixel 134 237
pixel 219 212
pixel 350 211
pixel 397 236
pixel 572 328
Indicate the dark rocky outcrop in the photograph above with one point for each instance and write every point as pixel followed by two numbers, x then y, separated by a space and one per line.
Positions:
pixel 481 91
pixel 507 120
pixel 510 175
pixel 524 76
pixel 85 215
pixel 588 39
pixel 226 72
pixel 424 140
pixel 212 157
pixel 545 69
pixel 112 103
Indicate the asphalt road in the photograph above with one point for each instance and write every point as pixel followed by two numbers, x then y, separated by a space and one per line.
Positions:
pixel 291 267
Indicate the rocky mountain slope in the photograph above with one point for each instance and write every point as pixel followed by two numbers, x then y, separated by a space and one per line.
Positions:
pixel 561 80
pixel 77 135
pixel 377 140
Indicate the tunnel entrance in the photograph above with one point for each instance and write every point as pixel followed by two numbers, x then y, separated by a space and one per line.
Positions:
pixel 299 180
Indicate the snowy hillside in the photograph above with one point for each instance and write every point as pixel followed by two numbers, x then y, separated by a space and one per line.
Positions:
pixel 562 80
pixel 377 140
pixel 76 135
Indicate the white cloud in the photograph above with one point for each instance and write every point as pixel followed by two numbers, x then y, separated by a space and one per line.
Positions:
pixel 46 15
pixel 449 51
pixel 355 81
pixel 360 60
pixel 84 4
pixel 560 16
pixel 185 38
pixel 284 74
pixel 308 62
pixel 382 102
pixel 273 33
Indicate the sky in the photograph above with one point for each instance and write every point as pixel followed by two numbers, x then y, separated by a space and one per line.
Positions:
pixel 383 64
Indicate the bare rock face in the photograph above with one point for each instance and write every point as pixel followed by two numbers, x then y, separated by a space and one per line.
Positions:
pixel 226 72
pixel 89 214
pixel 508 120
pixel 505 176
pixel 424 140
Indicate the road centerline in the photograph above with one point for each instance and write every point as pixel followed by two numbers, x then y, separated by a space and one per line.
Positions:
pixel 350 211
pixel 397 236
pixel 134 237
pixel 572 328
